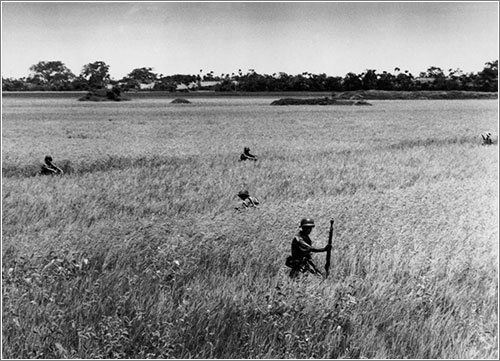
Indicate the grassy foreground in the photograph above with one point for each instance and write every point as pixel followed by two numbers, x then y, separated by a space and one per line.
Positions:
pixel 137 253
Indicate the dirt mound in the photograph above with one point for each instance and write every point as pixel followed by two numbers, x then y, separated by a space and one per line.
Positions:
pixel 100 95
pixel 418 94
pixel 319 101
pixel 180 101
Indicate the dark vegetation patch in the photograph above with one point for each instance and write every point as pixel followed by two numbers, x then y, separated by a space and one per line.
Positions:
pixel 107 163
pixel 419 94
pixel 427 142
pixel 319 101
pixel 99 95
pixel 180 101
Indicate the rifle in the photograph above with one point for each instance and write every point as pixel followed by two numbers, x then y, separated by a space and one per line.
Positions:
pixel 329 252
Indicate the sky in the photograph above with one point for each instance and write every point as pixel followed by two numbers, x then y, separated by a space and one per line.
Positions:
pixel 334 38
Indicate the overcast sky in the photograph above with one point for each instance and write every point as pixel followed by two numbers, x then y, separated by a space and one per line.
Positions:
pixel 270 37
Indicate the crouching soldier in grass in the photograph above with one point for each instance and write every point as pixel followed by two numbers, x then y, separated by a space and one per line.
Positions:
pixel 487 138
pixel 49 168
pixel 301 261
pixel 246 155
pixel 247 201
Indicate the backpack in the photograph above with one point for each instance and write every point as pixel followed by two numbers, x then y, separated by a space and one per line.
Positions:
pixel 292 263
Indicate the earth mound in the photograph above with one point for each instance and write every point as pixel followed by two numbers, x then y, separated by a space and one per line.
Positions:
pixel 319 101
pixel 180 101
pixel 100 95
pixel 416 94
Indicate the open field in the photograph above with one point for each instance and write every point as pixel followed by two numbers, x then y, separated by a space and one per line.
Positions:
pixel 137 252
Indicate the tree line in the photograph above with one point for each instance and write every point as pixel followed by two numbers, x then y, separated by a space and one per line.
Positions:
pixel 55 76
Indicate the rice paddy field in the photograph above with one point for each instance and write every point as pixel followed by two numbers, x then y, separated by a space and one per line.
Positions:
pixel 137 250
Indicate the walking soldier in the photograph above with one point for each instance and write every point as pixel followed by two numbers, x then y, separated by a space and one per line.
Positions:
pixel 301 261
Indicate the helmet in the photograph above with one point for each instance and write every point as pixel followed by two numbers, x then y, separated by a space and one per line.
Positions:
pixel 48 158
pixel 243 193
pixel 307 222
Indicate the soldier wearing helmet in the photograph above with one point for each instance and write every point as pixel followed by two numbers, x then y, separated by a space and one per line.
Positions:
pixel 49 168
pixel 246 155
pixel 301 261
pixel 247 200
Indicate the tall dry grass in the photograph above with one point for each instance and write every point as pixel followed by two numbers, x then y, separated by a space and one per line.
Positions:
pixel 137 252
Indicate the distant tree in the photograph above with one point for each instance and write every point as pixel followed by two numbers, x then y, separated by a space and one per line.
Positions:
pixel 250 82
pixel 209 76
pixel 466 81
pixel 80 83
pixel 53 75
pixel 352 82
pixel 454 80
pixel 11 84
pixel 333 83
pixel 317 82
pixel 491 69
pixel 141 76
pixel 165 83
pixel 96 74
pixel 369 79
pixel 404 81
pixel 300 83
pixel 439 78
pixel 282 81
pixel 184 78
pixel 386 81
pixel 170 82
pixel 487 79
pixel 435 72
pixel 226 85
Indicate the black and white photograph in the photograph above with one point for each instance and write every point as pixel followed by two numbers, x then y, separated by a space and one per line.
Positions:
pixel 250 180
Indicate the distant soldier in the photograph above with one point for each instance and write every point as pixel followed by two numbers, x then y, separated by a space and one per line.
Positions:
pixel 247 201
pixel 246 155
pixel 487 138
pixel 301 261
pixel 49 168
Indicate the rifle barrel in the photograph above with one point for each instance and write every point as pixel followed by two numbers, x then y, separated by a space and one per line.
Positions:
pixel 329 252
